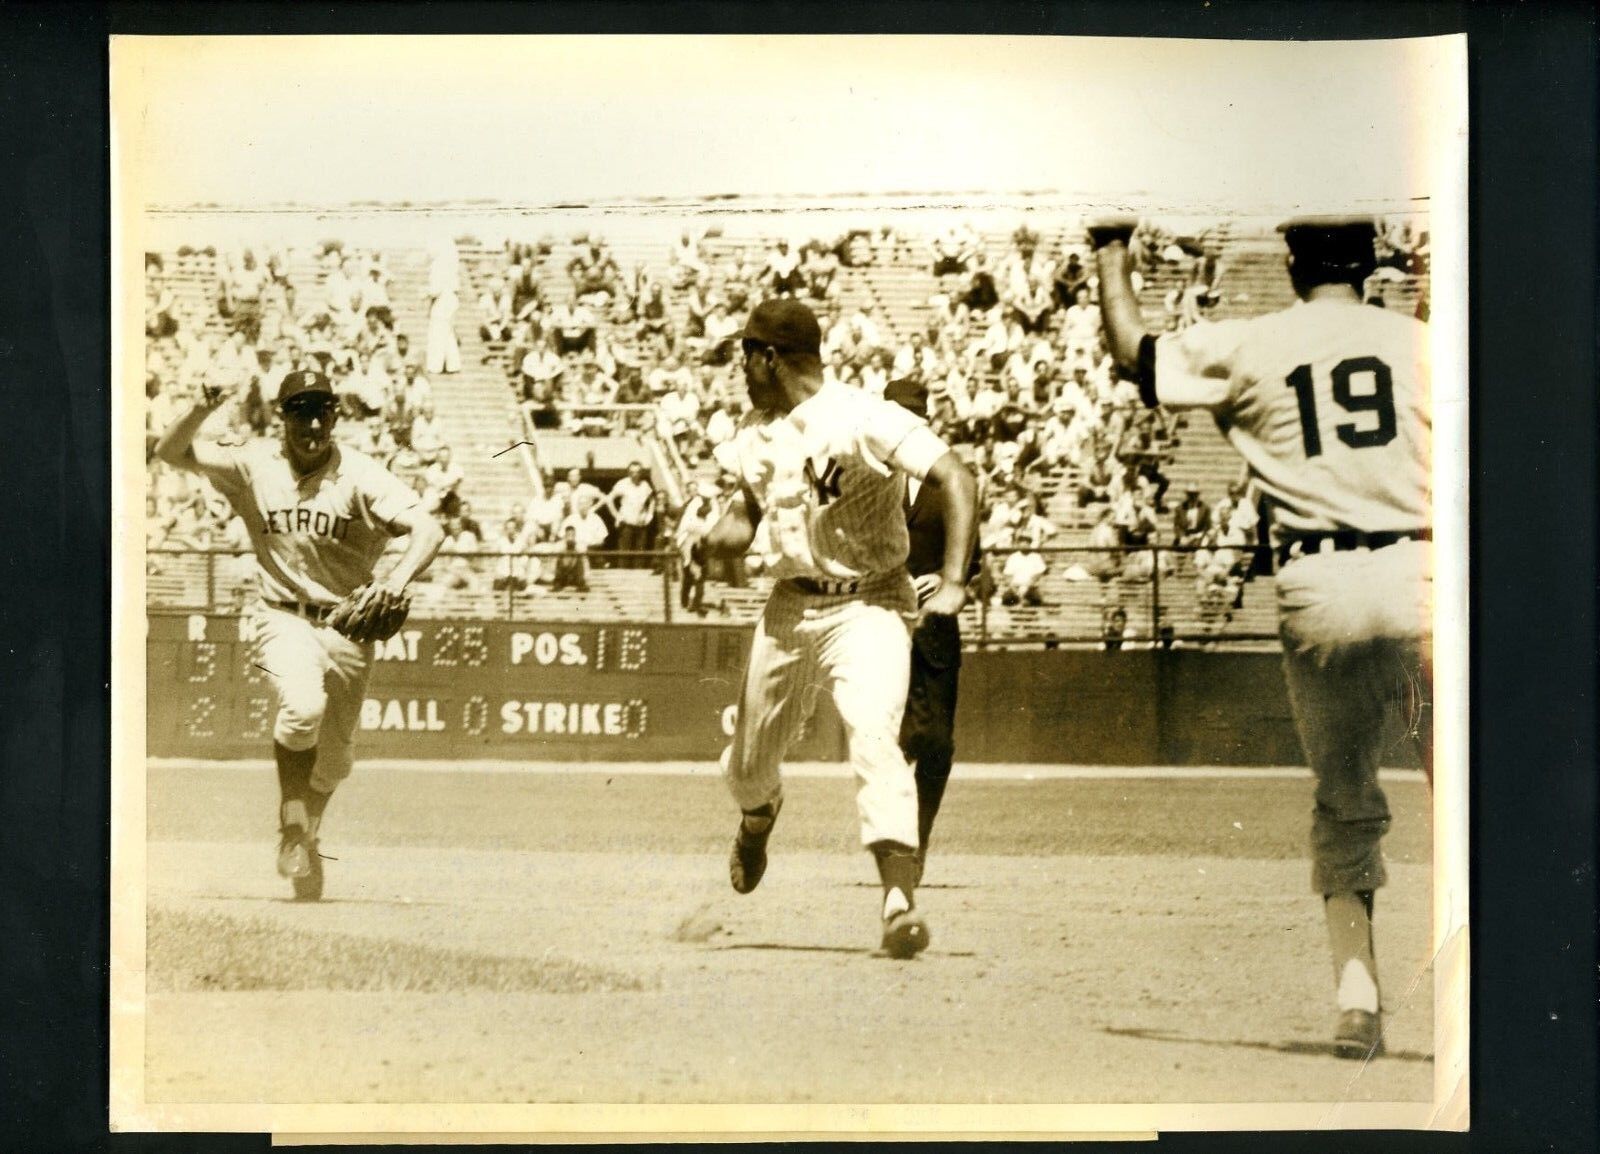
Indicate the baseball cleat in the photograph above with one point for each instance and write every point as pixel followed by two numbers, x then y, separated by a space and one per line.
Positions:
pixel 748 862
pixel 1359 1035
pixel 905 934
pixel 309 887
pixel 294 853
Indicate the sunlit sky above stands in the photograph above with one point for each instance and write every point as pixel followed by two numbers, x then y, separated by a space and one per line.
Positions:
pixel 1207 125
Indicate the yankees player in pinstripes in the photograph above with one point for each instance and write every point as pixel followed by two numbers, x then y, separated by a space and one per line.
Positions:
pixel 1327 401
pixel 319 516
pixel 824 465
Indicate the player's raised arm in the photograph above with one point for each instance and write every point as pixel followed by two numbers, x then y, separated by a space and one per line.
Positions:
pixel 179 448
pixel 1119 305
pixel 959 494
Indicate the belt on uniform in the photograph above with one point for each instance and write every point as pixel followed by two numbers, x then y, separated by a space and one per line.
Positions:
pixel 314 613
pixel 822 588
pixel 1345 540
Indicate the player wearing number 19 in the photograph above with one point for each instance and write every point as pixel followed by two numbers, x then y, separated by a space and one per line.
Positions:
pixel 319 517
pixel 1327 401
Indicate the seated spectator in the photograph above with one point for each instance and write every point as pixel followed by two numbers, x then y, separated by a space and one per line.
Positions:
pixel 1140 529
pixel 981 294
pixel 821 269
pixel 469 523
pixel 632 504
pixel 1020 577
pixel 1116 631
pixel 1033 528
pixel 680 412
pixel 574 329
pixel 686 261
pixel 595 275
pixel 1080 328
pixel 518 569
pixel 498 309
pixel 953 250
pixel 444 478
pixel 654 320
pixel 1106 560
pixel 1191 518
pixel 159 321
pixel 374 295
pixel 540 376
pixel 781 274
pixel 526 295
pixel 721 336
pixel 875 374
pixel 1069 278
pixel 240 299
pixel 571 568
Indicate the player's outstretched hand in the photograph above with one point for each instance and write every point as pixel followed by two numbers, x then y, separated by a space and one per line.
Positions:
pixel 1103 230
pixel 946 601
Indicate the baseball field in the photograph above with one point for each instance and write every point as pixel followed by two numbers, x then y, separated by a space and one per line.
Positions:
pixel 550 933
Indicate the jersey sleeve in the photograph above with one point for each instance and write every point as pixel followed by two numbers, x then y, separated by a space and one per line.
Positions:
pixel 386 498
pixel 895 436
pixel 1194 368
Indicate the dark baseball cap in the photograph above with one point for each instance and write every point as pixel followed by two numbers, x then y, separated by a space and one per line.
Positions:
pixel 785 325
pixel 908 394
pixel 1332 241
pixel 302 382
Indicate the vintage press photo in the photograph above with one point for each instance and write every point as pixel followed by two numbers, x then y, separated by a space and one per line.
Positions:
pixel 618 365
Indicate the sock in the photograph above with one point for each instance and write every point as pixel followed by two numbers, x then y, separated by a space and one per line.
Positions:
pixel 316 803
pixel 294 782
pixel 930 794
pixel 1349 917
pixel 760 819
pixel 897 870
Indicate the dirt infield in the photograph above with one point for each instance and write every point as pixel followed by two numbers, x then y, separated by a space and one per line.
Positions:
pixel 558 937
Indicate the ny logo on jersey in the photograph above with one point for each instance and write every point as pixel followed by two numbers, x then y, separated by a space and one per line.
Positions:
pixel 827 485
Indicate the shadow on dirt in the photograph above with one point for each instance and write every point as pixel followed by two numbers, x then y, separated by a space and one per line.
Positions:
pixel 1293 1046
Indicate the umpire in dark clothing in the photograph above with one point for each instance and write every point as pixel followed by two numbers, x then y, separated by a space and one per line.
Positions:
pixel 927 732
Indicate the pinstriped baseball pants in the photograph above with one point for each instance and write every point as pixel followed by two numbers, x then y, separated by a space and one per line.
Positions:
pixel 856 647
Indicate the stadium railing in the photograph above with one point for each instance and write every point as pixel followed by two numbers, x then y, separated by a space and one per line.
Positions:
pixel 1116 597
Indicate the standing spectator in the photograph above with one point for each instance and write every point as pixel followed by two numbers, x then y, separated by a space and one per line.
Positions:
pixel 585 496
pixel 518 570
pixel 632 503
pixel 589 526
pixel 444 285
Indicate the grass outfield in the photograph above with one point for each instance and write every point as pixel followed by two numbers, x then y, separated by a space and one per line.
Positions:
pixel 1239 817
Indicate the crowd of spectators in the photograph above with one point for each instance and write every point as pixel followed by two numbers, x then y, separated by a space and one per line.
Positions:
pixel 238 321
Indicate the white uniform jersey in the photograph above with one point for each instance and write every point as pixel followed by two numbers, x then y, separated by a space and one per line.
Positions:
pixel 316 537
pixel 829 477
pixel 1327 401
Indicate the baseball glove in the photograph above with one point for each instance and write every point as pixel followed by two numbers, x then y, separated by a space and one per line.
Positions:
pixel 371 613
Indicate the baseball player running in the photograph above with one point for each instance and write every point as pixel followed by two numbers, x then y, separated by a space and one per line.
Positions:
pixel 319 516
pixel 927 731
pixel 824 465
pixel 1327 403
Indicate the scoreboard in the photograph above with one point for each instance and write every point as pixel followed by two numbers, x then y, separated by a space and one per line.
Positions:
pixel 475 689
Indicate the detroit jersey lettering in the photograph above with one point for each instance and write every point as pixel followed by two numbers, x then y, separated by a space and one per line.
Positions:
pixel 1326 400
pixel 317 537
pixel 829 477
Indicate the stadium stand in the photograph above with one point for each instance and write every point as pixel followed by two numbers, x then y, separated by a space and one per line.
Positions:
pixel 584 353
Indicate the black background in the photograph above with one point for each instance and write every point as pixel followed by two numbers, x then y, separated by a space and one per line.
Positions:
pixel 1533 71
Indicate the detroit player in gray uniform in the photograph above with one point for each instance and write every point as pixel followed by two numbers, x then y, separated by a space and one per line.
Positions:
pixel 319 516
pixel 1327 401
pixel 824 466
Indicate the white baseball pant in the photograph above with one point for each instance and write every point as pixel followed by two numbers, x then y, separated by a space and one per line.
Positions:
pixel 858 648
pixel 1357 652
pixel 321 680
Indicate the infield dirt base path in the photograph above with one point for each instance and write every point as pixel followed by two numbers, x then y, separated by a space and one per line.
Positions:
pixel 439 972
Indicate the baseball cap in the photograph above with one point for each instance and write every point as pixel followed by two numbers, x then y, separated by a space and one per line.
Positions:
pixel 908 394
pixel 783 324
pixel 301 382
pixel 1332 241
